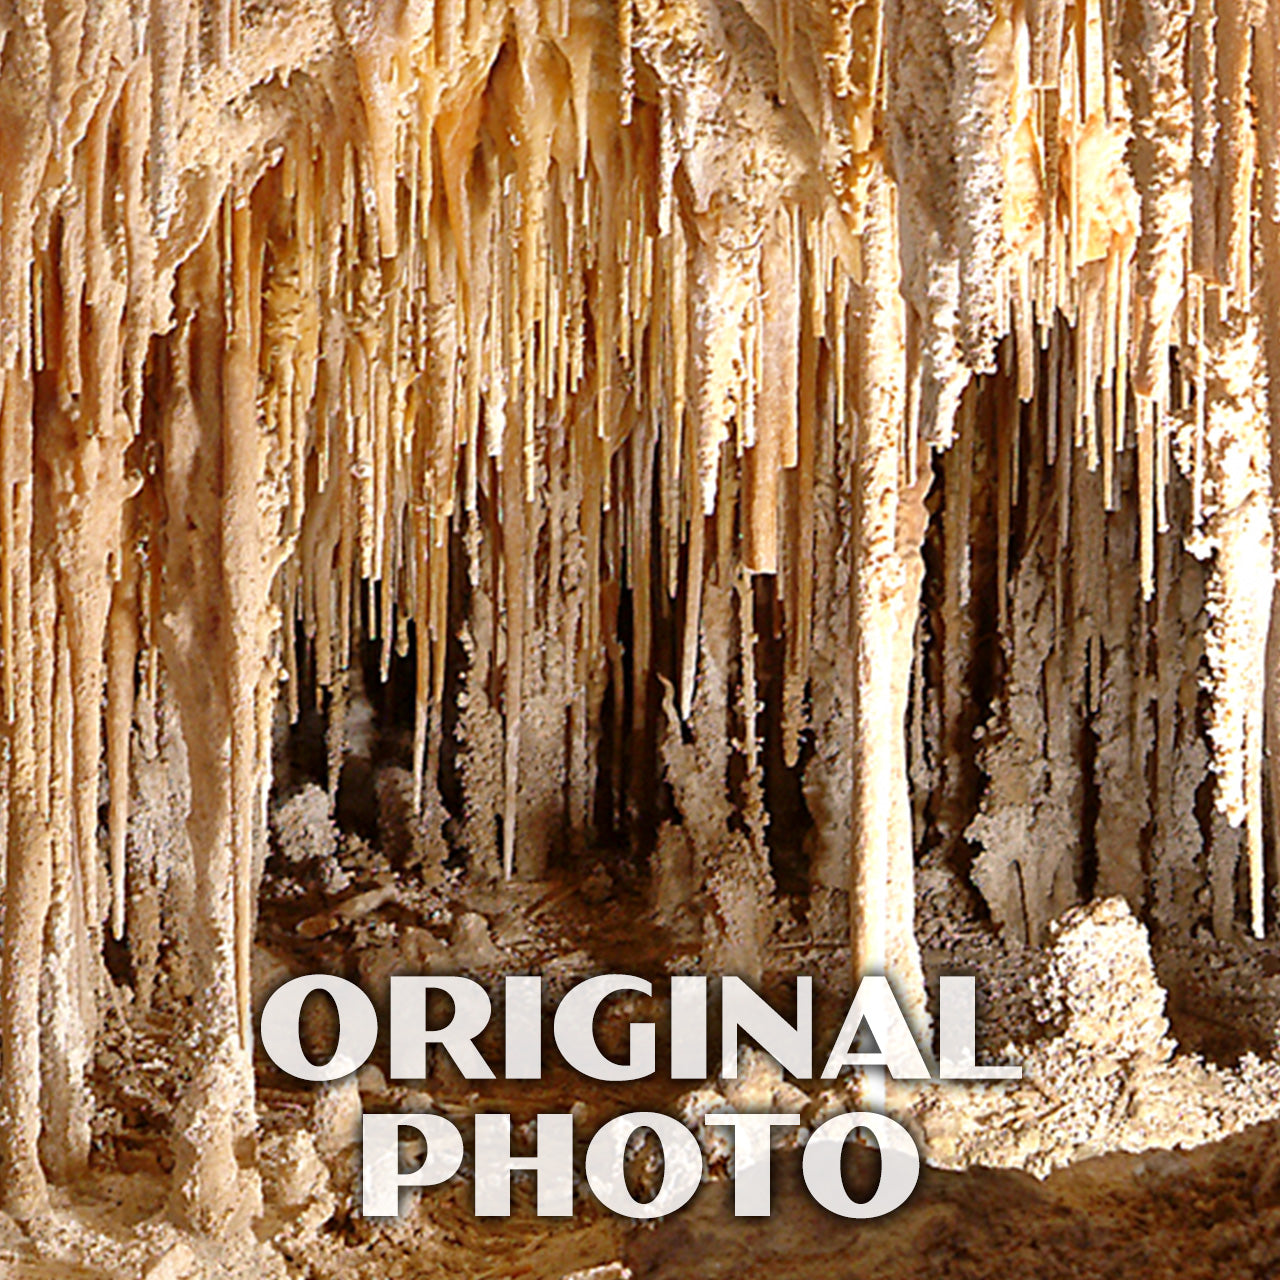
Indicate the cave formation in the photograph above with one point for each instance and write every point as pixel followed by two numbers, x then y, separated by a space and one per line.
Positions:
pixel 763 444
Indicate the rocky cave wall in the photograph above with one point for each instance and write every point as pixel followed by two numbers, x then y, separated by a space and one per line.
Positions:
pixel 766 438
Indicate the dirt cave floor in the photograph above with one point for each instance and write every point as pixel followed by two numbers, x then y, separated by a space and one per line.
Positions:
pixel 1156 1158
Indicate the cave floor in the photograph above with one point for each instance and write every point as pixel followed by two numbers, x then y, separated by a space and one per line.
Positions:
pixel 1212 1210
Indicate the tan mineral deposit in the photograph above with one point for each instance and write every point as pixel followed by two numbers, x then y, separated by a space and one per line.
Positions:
pixel 769 488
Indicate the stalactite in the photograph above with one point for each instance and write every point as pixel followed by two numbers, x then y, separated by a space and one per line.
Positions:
pixel 122 652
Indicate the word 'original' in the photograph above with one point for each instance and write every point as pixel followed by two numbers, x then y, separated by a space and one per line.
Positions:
pixel 874 1034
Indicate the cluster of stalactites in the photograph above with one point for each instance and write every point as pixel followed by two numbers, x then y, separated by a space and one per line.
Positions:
pixel 286 307
pixel 271 340
pixel 1114 168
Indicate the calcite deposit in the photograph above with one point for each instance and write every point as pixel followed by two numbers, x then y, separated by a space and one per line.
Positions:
pixel 715 457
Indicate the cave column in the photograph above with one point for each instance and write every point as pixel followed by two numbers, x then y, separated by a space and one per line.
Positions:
pixel 1268 69
pixel 28 855
pixel 889 521
pixel 214 1123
